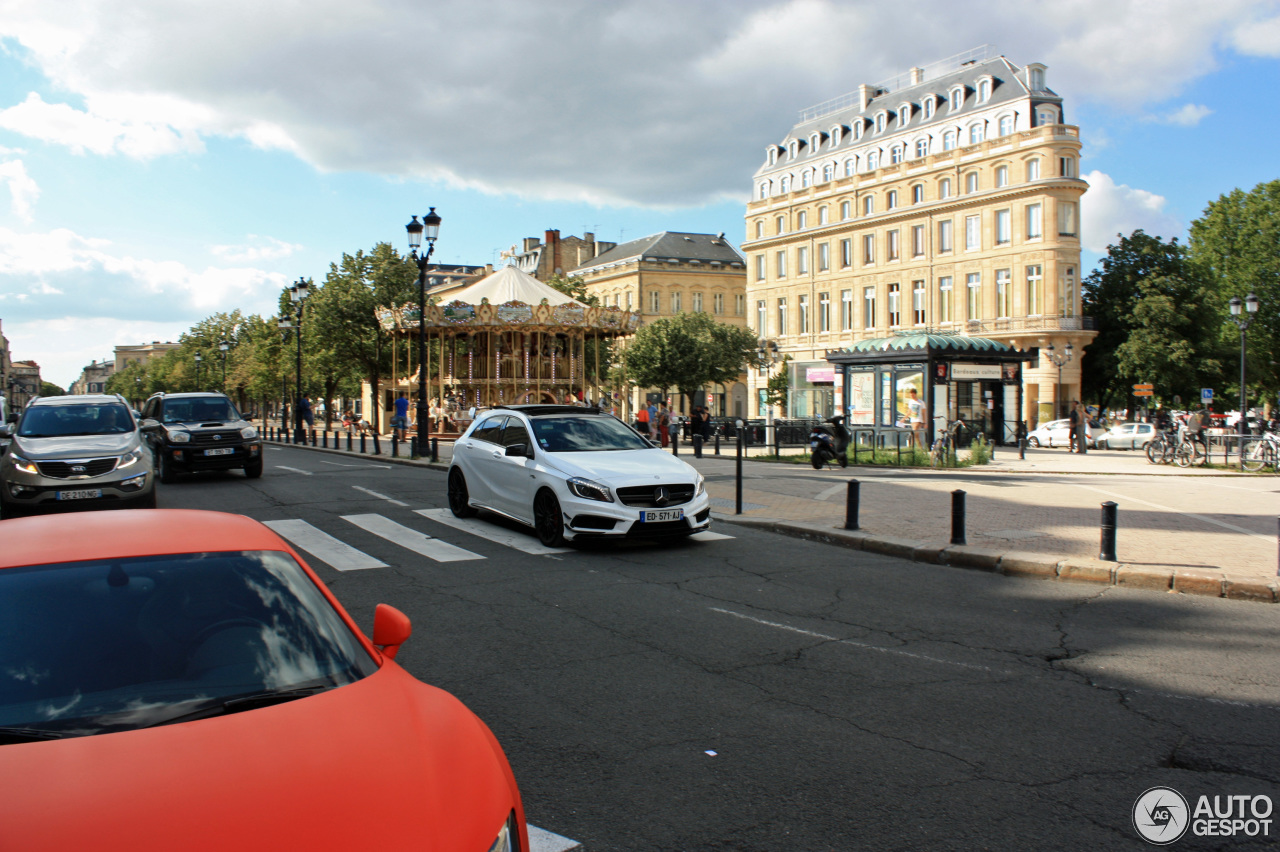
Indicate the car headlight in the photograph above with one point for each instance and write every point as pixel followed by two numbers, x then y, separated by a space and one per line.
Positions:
pixel 179 437
pixel 23 464
pixel 503 841
pixel 131 457
pixel 700 487
pixel 249 433
pixel 589 490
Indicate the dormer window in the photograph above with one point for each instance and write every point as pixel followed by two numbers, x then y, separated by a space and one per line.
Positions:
pixel 857 129
pixel 815 142
pixel 880 120
pixel 904 115
pixel 1035 78
pixel 928 107
pixel 773 155
pixel 984 90
pixel 957 98
pixel 837 133
pixel 1046 115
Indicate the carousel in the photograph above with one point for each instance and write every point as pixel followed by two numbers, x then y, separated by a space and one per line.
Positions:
pixel 507 339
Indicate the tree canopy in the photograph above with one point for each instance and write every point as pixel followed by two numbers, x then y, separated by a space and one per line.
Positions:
pixel 687 352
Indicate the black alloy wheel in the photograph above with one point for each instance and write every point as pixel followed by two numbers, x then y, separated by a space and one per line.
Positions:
pixel 547 519
pixel 164 469
pixel 253 469
pixel 458 496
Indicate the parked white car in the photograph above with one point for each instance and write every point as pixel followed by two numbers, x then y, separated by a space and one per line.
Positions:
pixel 1057 433
pixel 574 473
pixel 1130 436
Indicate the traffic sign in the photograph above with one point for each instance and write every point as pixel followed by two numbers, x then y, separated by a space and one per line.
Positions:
pixel 1144 387
pixel 1144 393
pixel 1206 394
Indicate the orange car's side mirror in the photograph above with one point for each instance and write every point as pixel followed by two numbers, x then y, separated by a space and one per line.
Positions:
pixel 391 628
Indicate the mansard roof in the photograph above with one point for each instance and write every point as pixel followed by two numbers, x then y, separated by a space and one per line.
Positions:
pixel 667 246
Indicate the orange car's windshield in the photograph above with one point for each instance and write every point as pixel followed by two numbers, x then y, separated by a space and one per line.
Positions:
pixel 116 644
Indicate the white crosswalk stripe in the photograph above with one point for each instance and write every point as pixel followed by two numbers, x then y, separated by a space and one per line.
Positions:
pixel 321 545
pixel 523 542
pixel 411 539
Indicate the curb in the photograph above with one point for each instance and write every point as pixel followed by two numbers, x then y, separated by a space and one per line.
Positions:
pixel 1154 578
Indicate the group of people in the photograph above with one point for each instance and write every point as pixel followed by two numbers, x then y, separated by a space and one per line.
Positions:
pixel 1079 421
pixel 658 419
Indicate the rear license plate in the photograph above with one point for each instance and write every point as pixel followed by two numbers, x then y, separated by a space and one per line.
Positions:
pixel 650 516
pixel 82 494
pixel 225 451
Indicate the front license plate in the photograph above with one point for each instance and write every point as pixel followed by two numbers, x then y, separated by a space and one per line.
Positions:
pixel 225 451
pixel 650 516
pixel 82 494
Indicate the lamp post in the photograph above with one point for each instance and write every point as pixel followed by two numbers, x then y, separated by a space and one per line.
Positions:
pixel 298 292
pixel 429 227
pixel 1058 360
pixel 767 352
pixel 199 358
pixel 223 346
pixel 1242 321
pixel 285 326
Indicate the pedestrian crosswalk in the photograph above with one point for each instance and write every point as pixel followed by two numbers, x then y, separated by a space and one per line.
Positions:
pixel 330 547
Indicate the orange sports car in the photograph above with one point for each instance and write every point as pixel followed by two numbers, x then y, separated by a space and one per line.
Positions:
pixel 174 679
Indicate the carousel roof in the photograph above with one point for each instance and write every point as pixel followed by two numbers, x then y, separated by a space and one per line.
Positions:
pixel 511 285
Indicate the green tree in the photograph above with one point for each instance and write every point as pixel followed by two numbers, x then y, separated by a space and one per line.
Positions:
pixel 1236 245
pixel 687 352
pixel 575 287
pixel 50 389
pixel 777 390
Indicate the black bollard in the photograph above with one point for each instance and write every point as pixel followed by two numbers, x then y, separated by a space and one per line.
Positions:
pixel 377 449
pixel 957 517
pixel 851 505
pixel 313 437
pixel 737 506
pixel 697 445
pixel 675 441
pixel 1108 552
pixel 362 442
pixel 717 440
pixel 348 440
pixel 435 450
pixel 395 446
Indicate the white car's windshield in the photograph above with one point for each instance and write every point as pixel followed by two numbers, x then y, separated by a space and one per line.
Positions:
pixel 585 434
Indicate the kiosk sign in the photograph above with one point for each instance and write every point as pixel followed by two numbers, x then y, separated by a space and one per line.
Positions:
pixel 975 372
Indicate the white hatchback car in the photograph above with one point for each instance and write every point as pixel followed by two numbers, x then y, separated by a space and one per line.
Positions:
pixel 574 473
pixel 1130 436
pixel 1057 433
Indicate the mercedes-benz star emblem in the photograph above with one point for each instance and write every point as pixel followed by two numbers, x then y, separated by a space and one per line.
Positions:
pixel 660 496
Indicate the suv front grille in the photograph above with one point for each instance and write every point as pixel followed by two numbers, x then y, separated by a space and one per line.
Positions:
pixel 76 468
pixel 215 438
pixel 645 496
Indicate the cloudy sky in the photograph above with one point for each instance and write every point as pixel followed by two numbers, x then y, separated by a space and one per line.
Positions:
pixel 161 160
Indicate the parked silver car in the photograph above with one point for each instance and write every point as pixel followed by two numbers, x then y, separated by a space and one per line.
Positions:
pixel 1129 436
pixel 1057 433
pixel 85 451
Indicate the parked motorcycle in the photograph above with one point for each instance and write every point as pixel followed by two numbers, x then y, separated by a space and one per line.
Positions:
pixel 829 442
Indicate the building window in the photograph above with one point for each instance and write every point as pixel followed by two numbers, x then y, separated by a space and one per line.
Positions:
pixel 655 302
pixel 628 300
pixel 895 154
pixel 858 128
pixel 1033 169
pixel 1003 229
pixel 984 91
pixel 846 210
pixel 1035 280
pixel 1068 306
pixel 759 267
pixel 717 303
pixel 739 304
pixel 804 315
pixel 917 240
pixel 697 303
pixel 822 215
pixel 944 188
pixel 761 315
pixel 880 117
pixel 922 148
pixel 824 312
pixel 975 134
pixel 1067 167
pixel 949 140
pixel 824 257
pixel 868 205
pixel 759 229
pixel 971 183
pixel 1034 222
pixel 828 173
pixel 944 236
pixel 675 302
pixel 944 299
pixel 1066 218
pixel 873 161
pixel 868 307
pixel 802 260
pixel 1037 79
pixel 781 259
pixel 957 98
pixel 846 254
pixel 893 253
pixel 917 193
pixel 782 316
pixel 891 199
pixel 764 190
pixel 895 302
pixel 806 178
pixel 868 249
pixel 1002 175
pixel 1004 295
pixel 786 184
pixel 928 107
pixel 917 302
pixel 846 310
pixel 1006 125
pixel 972 233
pixel 780 225
pixel 973 282
pixel 904 115
pixel 850 167
pixel 802 220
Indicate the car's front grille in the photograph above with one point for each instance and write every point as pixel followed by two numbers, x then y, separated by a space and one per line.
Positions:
pixel 651 496
pixel 76 467
pixel 215 438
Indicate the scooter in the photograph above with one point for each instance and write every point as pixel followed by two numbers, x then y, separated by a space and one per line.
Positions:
pixel 829 443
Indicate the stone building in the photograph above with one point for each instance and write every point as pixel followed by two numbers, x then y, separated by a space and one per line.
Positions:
pixel 141 353
pixel 944 200
pixel 24 383
pixel 93 378
pixel 555 255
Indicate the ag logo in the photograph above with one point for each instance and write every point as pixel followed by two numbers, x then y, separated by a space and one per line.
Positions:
pixel 1161 815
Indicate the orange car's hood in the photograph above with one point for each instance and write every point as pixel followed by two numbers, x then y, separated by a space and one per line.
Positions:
pixel 384 763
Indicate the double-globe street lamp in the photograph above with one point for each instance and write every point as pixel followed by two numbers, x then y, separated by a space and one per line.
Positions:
pixel 298 292
pixel 1250 305
pixel 429 228
pixel 1058 360
pixel 223 347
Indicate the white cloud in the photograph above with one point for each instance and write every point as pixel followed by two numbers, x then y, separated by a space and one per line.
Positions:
pixel 257 249
pixel 87 131
pixel 81 341
pixel 23 191
pixel 1188 115
pixel 1108 209
pixel 1258 37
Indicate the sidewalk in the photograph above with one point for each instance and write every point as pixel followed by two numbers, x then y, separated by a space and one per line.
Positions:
pixel 1179 530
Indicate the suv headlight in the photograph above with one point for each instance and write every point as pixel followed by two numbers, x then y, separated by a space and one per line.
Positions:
pixel 131 457
pixel 23 464
pixel 179 437
pixel 589 490
pixel 249 433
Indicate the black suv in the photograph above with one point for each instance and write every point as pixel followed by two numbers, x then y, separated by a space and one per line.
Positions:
pixel 199 431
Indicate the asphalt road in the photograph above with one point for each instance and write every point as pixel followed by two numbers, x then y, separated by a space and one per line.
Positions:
pixel 763 693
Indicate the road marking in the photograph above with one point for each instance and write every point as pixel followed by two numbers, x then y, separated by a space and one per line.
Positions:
pixel 708 535
pixel 411 539
pixel 832 491
pixel 322 546
pixel 500 535
pixel 541 840
pixel 373 493
pixel 294 469
pixel 1198 517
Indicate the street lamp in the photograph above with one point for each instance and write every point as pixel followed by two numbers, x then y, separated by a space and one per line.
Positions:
pixel 285 326
pixel 199 358
pixel 298 292
pixel 1250 305
pixel 1059 360
pixel 429 227
pixel 223 347
pixel 767 352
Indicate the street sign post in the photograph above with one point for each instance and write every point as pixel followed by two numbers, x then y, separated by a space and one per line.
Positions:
pixel 1206 395
pixel 1144 390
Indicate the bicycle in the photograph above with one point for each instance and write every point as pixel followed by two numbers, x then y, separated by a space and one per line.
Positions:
pixel 1191 452
pixel 1257 453
pixel 945 442
pixel 1161 449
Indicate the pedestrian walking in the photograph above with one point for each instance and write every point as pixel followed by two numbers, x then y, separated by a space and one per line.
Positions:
pixel 304 408
pixel 1082 428
pixel 400 420
pixel 1073 427
pixel 642 420
pixel 915 415
pixel 664 424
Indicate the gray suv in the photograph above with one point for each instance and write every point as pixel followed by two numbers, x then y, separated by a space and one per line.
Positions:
pixel 83 451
